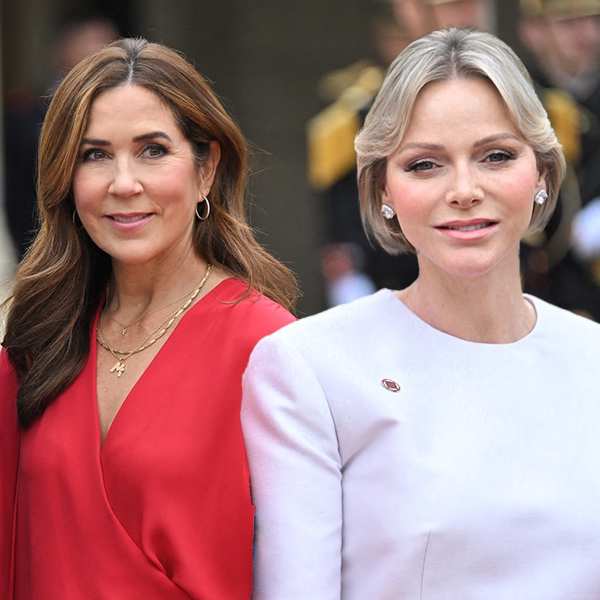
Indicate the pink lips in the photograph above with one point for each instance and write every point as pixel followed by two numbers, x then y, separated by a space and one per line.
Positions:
pixel 129 221
pixel 468 229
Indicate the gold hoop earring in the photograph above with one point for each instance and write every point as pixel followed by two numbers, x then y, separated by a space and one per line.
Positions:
pixel 207 212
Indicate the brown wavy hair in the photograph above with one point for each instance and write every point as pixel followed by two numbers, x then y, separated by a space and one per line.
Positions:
pixel 60 283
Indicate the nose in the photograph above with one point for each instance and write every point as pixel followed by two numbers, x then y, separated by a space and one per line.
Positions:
pixel 464 190
pixel 124 181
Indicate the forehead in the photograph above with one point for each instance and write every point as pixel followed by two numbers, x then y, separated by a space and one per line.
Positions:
pixel 445 109
pixel 130 106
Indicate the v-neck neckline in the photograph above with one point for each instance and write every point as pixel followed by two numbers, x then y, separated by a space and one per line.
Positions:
pixel 103 440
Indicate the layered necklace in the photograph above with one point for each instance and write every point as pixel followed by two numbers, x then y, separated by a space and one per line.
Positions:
pixel 122 356
pixel 145 314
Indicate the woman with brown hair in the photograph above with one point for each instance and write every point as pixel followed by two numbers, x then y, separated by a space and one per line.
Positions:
pixel 131 322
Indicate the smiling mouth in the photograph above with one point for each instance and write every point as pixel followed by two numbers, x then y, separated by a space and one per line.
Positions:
pixel 468 226
pixel 129 218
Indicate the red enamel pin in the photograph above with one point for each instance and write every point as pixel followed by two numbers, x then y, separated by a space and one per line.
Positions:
pixel 390 385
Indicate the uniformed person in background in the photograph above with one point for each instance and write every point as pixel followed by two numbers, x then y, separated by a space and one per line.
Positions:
pixel 562 67
pixel 351 266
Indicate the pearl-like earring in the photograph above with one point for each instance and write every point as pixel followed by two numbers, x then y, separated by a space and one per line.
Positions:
pixel 387 211
pixel 540 197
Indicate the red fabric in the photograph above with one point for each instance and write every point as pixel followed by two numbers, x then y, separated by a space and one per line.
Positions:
pixel 9 444
pixel 162 509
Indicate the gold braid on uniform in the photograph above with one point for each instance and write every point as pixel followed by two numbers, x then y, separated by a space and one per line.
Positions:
pixel 330 135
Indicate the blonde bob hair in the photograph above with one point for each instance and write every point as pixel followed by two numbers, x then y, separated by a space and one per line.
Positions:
pixel 438 56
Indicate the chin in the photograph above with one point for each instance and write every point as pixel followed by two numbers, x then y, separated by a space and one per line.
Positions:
pixel 131 256
pixel 469 267
pixel 132 261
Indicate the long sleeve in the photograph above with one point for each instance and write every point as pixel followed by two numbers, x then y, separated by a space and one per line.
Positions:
pixel 296 477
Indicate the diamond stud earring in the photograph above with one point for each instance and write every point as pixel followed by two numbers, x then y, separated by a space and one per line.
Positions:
pixel 540 197
pixel 387 211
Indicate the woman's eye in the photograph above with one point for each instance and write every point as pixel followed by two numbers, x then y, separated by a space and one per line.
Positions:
pixel 93 154
pixel 154 151
pixel 498 156
pixel 422 165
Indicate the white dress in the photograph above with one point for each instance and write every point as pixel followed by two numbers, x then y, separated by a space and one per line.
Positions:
pixel 478 479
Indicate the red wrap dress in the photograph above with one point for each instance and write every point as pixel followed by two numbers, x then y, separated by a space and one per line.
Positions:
pixel 9 448
pixel 161 510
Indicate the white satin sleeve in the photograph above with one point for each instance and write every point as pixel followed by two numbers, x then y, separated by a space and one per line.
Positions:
pixel 295 471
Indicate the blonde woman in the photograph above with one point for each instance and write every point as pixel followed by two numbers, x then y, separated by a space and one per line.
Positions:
pixel 131 322
pixel 439 441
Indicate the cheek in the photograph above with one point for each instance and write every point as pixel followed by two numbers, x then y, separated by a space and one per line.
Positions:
pixel 519 189
pixel 173 188
pixel 411 200
pixel 87 191
pixel 175 200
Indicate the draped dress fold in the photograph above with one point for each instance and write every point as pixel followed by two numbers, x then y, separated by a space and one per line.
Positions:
pixel 161 509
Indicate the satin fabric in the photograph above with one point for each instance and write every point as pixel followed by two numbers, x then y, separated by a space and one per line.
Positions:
pixel 161 509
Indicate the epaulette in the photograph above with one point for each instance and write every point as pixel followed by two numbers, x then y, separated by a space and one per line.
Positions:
pixel 333 84
pixel 331 133
pixel 565 116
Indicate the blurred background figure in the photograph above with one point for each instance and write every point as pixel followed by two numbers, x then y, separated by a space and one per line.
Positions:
pixel 251 53
pixel 561 40
pixel 80 38
pixel 349 92
pixel 351 267
pixel 343 267
pixel 23 114
pixel 460 13
pixel 574 28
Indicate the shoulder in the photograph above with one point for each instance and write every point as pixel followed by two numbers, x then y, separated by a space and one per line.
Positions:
pixel 559 317
pixel 574 332
pixel 337 329
pixel 259 313
pixel 8 376
pixel 241 315
pixel 8 406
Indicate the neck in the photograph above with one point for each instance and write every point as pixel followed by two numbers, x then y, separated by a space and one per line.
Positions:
pixel 138 288
pixel 489 308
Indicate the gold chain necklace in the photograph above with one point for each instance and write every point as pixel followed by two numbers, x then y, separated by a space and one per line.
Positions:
pixel 122 356
pixel 125 328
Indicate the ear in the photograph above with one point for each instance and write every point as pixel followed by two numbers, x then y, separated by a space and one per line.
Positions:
pixel 541 182
pixel 384 190
pixel 209 169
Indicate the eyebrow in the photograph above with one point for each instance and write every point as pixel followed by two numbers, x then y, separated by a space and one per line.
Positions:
pixel 495 138
pixel 482 142
pixel 152 135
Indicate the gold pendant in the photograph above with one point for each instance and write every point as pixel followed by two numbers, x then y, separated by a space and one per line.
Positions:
pixel 124 331
pixel 118 368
